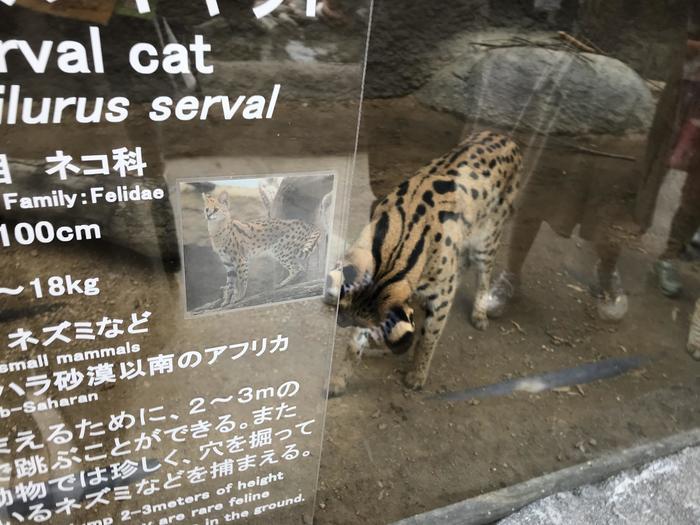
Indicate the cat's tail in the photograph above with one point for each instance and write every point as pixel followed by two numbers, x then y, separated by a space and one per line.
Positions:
pixel 267 202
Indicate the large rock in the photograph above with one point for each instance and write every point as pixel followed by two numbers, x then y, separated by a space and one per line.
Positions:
pixel 543 90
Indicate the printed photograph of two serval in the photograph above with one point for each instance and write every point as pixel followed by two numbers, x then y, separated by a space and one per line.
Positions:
pixel 256 241
pixel 451 211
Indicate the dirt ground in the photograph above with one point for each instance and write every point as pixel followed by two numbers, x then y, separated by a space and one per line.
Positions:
pixel 389 453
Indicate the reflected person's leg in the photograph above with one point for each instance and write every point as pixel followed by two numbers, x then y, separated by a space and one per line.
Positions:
pixel 360 340
pixel 612 303
pixel 693 346
pixel 143 133
pixel 684 225
pixel 522 236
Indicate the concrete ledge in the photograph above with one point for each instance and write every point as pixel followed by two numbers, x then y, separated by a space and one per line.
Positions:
pixel 498 504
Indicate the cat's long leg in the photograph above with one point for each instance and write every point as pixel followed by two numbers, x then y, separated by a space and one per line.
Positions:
pixel 484 256
pixel 230 287
pixel 241 280
pixel 293 267
pixel 437 307
pixel 284 254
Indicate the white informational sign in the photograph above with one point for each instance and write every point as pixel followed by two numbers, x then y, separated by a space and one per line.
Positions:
pixel 173 183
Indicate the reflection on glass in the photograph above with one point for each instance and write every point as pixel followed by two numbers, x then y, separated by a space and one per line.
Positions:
pixel 584 355
pixel 118 403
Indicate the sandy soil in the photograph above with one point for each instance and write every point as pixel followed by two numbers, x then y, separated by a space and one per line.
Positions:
pixel 388 453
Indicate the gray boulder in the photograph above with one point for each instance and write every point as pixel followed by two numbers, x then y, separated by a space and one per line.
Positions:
pixel 543 90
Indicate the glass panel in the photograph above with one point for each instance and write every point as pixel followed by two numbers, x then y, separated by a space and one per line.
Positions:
pixel 174 179
pixel 593 284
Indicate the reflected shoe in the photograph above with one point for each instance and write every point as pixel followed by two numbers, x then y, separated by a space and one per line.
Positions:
pixel 694 333
pixel 695 241
pixel 612 300
pixel 501 293
pixel 612 308
pixel 693 248
pixel 669 280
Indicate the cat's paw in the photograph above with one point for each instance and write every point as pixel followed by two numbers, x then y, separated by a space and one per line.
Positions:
pixel 337 386
pixel 415 380
pixel 480 321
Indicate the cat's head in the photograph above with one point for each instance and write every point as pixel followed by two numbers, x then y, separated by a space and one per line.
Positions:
pixel 216 208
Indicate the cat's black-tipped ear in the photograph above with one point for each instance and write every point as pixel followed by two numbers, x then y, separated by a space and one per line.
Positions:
pixel 343 282
pixel 223 198
pixel 354 280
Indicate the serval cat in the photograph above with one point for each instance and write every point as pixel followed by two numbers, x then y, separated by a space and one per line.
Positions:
pixel 290 242
pixel 455 207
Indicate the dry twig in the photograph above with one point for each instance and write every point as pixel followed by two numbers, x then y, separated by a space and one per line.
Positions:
pixel 575 42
